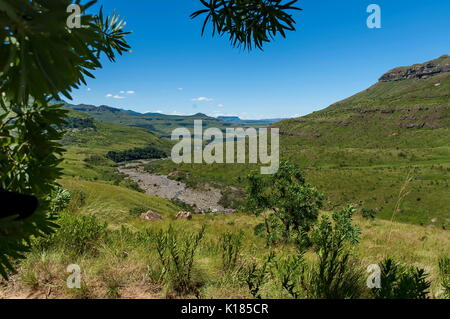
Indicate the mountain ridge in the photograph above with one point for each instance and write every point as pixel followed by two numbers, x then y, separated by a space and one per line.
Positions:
pixel 397 113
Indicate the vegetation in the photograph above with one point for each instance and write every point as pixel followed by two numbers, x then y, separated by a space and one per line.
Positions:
pixel 126 251
pixel 401 282
pixel 160 124
pixel 286 194
pixel 177 258
pixel 444 272
pixel 41 59
pixel 148 152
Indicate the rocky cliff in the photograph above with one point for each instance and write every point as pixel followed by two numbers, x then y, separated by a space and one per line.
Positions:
pixel 418 71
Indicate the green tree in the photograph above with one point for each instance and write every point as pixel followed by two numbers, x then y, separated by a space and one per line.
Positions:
pixel 41 60
pixel 248 23
pixel 287 197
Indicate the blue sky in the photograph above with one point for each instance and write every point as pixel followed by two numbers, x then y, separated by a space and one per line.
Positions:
pixel 331 56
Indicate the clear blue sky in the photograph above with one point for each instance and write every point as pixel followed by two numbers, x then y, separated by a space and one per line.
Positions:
pixel 331 56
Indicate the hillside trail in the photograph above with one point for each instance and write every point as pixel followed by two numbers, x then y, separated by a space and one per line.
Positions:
pixel 205 199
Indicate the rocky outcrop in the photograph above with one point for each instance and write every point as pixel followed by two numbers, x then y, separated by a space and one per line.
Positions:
pixel 151 216
pixel 418 71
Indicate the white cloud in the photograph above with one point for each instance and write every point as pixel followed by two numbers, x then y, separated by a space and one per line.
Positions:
pixel 109 95
pixel 180 89
pixel 131 92
pixel 220 105
pixel 202 99
pixel 157 111
pixel 88 89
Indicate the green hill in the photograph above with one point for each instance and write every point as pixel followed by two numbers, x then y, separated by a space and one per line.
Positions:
pixel 409 107
pixel 87 142
pixel 160 124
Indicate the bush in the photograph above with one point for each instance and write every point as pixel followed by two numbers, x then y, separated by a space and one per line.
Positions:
pixel 77 200
pixel 230 245
pixel 255 275
pixel 444 273
pixel 60 199
pixel 136 154
pixel 232 198
pixel 337 274
pixel 185 207
pixel 368 213
pixel 176 255
pixel 137 211
pixel 130 184
pixel 77 235
pixel 401 282
pixel 287 195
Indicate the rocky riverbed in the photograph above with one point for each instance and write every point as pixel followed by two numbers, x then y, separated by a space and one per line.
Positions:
pixel 205 199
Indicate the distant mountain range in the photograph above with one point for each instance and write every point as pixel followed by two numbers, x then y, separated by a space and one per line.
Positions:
pixel 161 124
pixel 237 120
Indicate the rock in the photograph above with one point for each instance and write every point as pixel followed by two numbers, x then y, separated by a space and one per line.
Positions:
pixel 152 216
pixel 418 71
pixel 184 215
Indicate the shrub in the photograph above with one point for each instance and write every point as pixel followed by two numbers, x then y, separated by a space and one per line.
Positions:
pixel 77 200
pixel 130 184
pixel 96 160
pixel 444 272
pixel 290 272
pixel 176 255
pixel 368 213
pixel 271 229
pixel 231 198
pixel 137 211
pixel 77 235
pixel 185 207
pixel 136 154
pixel 60 199
pixel 401 282
pixel 230 245
pixel 256 274
pixel 286 194
pixel 337 274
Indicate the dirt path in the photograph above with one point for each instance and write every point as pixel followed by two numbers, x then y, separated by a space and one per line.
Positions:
pixel 162 186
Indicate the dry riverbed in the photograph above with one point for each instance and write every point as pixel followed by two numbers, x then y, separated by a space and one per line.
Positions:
pixel 206 199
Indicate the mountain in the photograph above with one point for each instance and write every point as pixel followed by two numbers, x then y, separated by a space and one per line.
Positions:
pixel 237 120
pixel 157 123
pixel 408 107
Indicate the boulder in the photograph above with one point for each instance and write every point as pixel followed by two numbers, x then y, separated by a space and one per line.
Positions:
pixel 184 215
pixel 151 216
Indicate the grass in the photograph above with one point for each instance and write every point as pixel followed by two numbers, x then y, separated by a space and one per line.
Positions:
pixel 82 145
pixel 126 265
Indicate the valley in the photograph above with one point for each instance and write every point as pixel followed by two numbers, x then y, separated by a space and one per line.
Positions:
pixel 385 150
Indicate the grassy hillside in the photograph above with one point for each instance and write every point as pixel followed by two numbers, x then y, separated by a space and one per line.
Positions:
pixel 409 113
pixel 87 147
pixel 160 124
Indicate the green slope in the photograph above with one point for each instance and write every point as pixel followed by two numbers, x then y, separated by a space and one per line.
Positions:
pixel 408 113
pixel 88 143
